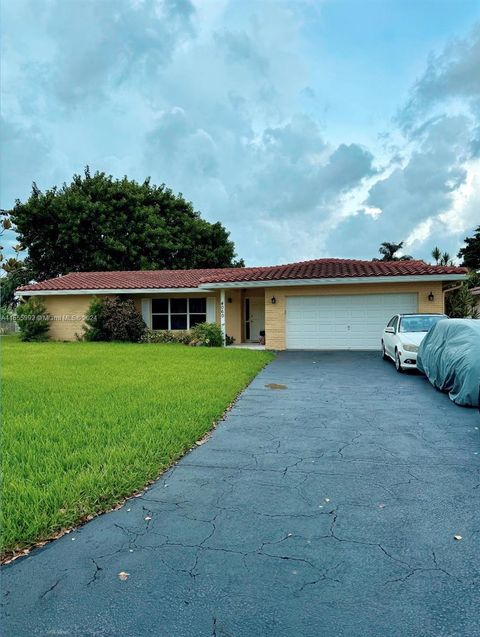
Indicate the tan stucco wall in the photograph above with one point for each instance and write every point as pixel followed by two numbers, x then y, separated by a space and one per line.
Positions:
pixel 233 314
pixel 67 311
pixel 66 307
pixel 275 313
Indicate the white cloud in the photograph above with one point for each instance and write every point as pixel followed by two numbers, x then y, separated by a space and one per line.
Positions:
pixel 450 79
pixel 465 209
pixel 448 228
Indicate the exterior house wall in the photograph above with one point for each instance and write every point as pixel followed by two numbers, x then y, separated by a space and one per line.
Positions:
pixel 234 314
pixel 64 307
pixel 71 306
pixel 275 313
pixel 68 312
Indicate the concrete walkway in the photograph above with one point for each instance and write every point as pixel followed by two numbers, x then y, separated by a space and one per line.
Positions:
pixel 324 508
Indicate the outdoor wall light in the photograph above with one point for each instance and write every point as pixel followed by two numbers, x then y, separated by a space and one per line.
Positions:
pixel 431 297
pixel 274 300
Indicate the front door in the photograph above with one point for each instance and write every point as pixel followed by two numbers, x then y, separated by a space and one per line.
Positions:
pixel 254 318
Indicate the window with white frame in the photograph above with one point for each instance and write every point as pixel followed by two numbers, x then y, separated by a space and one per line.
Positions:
pixel 178 313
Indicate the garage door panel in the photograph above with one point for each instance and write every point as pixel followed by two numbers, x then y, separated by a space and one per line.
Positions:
pixel 342 321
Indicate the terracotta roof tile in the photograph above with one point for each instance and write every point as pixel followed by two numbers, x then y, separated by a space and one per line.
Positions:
pixel 316 269
pixel 125 280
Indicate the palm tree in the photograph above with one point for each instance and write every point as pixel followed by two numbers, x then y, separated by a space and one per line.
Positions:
pixel 445 259
pixel 388 251
pixel 436 254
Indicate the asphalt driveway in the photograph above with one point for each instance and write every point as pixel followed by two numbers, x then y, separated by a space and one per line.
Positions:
pixel 325 508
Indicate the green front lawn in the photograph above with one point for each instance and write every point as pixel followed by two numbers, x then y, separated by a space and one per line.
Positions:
pixel 86 424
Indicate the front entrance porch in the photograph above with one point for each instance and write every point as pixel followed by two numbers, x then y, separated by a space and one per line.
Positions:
pixel 242 317
pixel 255 346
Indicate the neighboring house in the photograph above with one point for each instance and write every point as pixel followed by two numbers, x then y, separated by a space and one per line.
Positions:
pixel 320 304
pixel 476 294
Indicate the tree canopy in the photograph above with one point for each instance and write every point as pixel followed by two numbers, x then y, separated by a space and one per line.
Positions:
pixel 9 282
pixel 100 223
pixel 470 253
pixel 389 252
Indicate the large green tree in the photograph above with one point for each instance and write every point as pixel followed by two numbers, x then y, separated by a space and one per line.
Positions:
pixel 100 223
pixel 470 253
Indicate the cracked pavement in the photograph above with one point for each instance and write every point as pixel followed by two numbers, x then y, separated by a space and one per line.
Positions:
pixel 327 508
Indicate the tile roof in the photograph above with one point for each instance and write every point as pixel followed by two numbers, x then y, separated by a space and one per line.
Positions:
pixel 126 280
pixel 316 269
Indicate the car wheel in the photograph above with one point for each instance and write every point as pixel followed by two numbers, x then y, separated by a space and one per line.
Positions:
pixel 398 363
pixel 384 352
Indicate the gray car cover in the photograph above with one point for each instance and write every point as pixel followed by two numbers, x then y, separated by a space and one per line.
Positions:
pixel 449 356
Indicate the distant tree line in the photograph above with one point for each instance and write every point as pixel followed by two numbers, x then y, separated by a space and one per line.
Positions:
pixel 460 302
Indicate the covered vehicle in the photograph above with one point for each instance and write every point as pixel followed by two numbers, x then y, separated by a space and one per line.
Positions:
pixel 449 356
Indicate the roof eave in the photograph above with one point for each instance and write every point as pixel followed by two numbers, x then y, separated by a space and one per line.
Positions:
pixel 415 278
pixel 107 291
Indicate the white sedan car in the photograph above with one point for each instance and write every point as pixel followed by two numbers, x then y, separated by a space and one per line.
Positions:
pixel 403 335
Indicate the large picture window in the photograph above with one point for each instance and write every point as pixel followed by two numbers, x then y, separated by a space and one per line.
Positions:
pixel 177 313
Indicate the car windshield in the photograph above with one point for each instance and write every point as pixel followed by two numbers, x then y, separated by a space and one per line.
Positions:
pixel 419 323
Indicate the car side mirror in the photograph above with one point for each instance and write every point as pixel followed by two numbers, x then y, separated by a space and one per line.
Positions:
pixel 390 330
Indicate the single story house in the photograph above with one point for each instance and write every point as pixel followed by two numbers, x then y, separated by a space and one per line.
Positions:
pixel 320 304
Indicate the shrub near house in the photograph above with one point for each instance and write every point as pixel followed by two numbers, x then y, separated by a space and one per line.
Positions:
pixel 32 320
pixel 208 334
pixel 202 334
pixel 114 320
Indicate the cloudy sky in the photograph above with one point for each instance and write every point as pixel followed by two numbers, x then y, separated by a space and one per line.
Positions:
pixel 310 128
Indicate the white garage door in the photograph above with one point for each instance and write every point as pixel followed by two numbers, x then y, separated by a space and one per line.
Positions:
pixel 342 322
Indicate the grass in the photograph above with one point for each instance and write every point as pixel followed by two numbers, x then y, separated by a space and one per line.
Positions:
pixel 87 424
